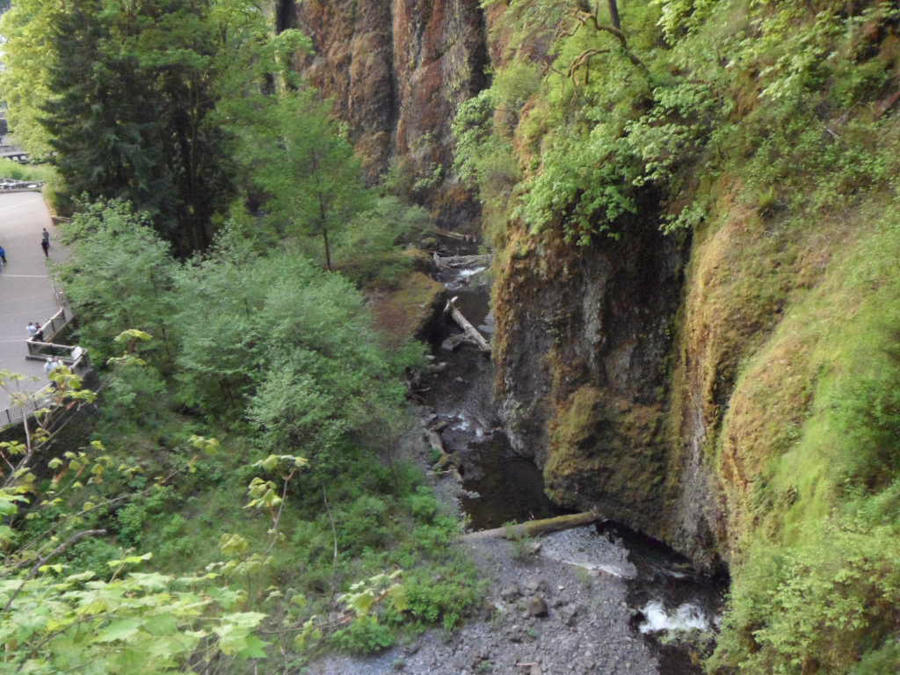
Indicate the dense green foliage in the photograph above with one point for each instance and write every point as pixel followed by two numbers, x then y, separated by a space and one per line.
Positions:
pixel 16 171
pixel 278 357
pixel 28 55
pixel 818 587
pixel 592 143
pixel 775 120
pixel 129 114
pixel 251 417
pixel 312 180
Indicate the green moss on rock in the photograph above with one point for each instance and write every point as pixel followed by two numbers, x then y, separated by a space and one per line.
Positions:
pixel 605 453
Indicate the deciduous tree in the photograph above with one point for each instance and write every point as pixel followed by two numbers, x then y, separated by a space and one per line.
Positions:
pixel 296 154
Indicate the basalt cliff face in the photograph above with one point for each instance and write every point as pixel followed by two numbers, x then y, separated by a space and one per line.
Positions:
pixel 583 358
pixel 397 71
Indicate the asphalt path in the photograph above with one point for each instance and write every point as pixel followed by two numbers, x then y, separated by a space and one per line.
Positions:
pixel 26 291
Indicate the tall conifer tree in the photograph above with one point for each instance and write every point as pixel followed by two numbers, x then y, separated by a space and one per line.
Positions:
pixel 131 115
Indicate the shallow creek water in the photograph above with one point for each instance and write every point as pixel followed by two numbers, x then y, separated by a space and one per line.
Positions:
pixel 666 596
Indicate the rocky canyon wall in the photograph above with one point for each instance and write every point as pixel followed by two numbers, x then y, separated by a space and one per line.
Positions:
pixel 587 342
pixel 729 388
pixel 585 337
pixel 397 71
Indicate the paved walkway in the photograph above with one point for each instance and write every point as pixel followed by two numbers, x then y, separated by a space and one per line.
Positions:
pixel 26 293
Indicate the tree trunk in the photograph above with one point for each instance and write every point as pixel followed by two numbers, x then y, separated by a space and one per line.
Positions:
pixel 614 15
pixel 327 248
pixel 535 527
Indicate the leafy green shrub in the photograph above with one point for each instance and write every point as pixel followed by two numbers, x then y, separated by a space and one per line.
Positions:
pixel 515 83
pixel 141 622
pixel 92 554
pixel 435 536
pixel 854 83
pixel 423 504
pixel 369 250
pixel 442 594
pixel 484 157
pixel 173 541
pixel 362 523
pixel 27 172
pixel 809 608
pixel 867 414
pixel 134 516
pixel 117 255
pixel 879 662
pixel 364 636
pixel 134 392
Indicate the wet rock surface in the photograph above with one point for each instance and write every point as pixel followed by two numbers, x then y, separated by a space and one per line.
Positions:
pixel 583 339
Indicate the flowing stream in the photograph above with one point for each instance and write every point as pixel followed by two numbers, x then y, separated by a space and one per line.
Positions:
pixel 673 608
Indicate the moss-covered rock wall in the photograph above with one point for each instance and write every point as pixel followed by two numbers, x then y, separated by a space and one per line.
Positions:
pixel 727 386
pixel 582 354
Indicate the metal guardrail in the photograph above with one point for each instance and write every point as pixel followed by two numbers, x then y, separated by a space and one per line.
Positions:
pixel 13 185
pixel 19 156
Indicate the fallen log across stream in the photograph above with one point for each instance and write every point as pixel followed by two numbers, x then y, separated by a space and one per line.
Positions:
pixel 457 261
pixel 533 528
pixel 472 334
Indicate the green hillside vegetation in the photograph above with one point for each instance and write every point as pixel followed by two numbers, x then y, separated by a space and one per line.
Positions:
pixel 768 132
pixel 247 497
pixel 248 494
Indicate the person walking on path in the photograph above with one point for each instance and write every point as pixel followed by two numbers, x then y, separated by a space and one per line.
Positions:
pixel 3 255
pixel 45 242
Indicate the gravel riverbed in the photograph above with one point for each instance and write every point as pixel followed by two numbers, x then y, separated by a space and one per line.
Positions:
pixel 553 605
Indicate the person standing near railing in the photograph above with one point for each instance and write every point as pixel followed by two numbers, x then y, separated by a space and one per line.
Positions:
pixel 52 364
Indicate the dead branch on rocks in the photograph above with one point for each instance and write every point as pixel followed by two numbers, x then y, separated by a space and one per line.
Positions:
pixel 470 331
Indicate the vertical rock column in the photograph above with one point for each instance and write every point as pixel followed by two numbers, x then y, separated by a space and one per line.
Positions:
pixel 353 65
pixel 397 72
pixel 583 341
